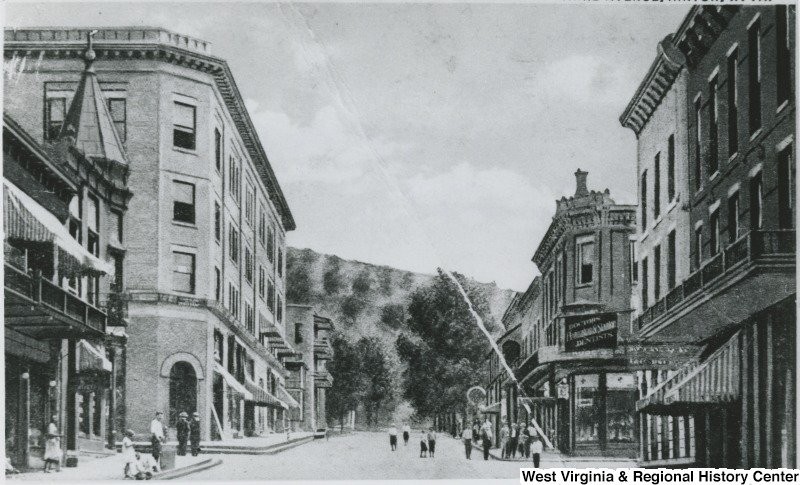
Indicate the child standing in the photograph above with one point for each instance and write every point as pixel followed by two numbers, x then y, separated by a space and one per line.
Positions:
pixel 423 445
pixel 129 455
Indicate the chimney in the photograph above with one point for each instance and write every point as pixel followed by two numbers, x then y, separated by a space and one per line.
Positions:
pixel 580 183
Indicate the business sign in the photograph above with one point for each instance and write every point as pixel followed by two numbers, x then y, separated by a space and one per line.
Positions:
pixel 589 332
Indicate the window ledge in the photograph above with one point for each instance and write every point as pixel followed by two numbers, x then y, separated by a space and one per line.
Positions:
pixel 583 285
pixel 755 134
pixel 782 106
pixel 714 175
pixel 672 205
pixel 733 156
pixel 190 225
pixel 185 150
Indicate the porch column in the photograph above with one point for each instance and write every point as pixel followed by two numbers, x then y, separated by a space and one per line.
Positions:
pixel 112 400
pixel 24 417
pixel 72 390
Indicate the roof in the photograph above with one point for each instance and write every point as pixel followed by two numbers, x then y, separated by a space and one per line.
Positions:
pixel 158 44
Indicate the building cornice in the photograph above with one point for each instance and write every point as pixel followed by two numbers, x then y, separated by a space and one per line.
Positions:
pixel 700 28
pixel 149 43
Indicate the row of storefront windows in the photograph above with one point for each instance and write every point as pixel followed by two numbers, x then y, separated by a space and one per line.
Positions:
pixel 604 408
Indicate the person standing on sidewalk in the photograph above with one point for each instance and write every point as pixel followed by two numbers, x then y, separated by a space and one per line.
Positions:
pixel 406 434
pixel 486 441
pixel 194 433
pixel 466 436
pixel 532 432
pixel 525 440
pixel 536 450
pixel 504 433
pixel 513 440
pixel 52 447
pixel 431 442
pixel 182 427
pixel 157 435
pixel 393 437
pixel 129 455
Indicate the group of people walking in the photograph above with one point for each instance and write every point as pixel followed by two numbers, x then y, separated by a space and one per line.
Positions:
pixel 427 442
pixel 514 438
pixel 141 466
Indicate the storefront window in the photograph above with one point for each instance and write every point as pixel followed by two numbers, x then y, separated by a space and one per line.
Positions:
pixel 620 408
pixel 587 400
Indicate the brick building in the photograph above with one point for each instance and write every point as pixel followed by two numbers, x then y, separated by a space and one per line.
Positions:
pixel 203 273
pixel 733 404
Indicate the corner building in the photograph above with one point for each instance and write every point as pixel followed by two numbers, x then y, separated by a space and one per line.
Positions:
pixel 203 275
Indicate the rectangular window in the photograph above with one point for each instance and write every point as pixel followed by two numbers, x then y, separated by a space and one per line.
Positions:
pixel 248 265
pixel 645 289
pixel 756 202
pixel 786 188
pixel 271 295
pixel 117 108
pixel 754 75
pixel 733 217
pixel 280 262
pixel 783 55
pixel 271 244
pixel 671 261
pixel 116 228
pixel 698 137
pixel 56 113
pixel 671 168
pixel 233 300
pixel 217 221
pixel 250 204
pixel 657 273
pixel 657 186
pixel 184 125
pixel 632 258
pixel 233 243
pixel 218 150
pixel 585 257
pixel 262 276
pixel 183 205
pixel 217 284
pixel 713 132
pixel 713 224
pixel 93 225
pixel 698 246
pixel 643 200
pixel 183 272
pixel 262 226
pixel 249 318
pixel 234 174
pixel 279 309
pixel 733 103
pixel 298 333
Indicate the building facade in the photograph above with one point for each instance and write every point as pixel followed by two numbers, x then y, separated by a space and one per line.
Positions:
pixel 203 274
pixel 576 372
pixel 733 404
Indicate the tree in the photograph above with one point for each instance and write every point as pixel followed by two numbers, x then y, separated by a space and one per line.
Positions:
pixel 362 284
pixel 444 348
pixel 352 306
pixel 375 377
pixel 299 286
pixel 332 278
pixel 345 369
pixel 393 315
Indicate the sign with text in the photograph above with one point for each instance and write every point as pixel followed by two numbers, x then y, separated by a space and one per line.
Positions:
pixel 589 332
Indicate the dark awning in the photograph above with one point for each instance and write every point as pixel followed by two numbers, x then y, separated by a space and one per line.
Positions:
pixel 261 397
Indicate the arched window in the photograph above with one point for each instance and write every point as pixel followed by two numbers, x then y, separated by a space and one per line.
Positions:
pixel 182 390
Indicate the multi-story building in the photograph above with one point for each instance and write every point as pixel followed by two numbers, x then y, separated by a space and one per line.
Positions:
pixel 734 404
pixel 578 357
pixel 63 207
pixel 309 378
pixel 203 272
pixel 501 400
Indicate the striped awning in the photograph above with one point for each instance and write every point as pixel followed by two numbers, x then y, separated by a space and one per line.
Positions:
pixel 233 384
pixel 288 400
pixel 716 380
pixel 25 219
pixel 91 358
pixel 261 397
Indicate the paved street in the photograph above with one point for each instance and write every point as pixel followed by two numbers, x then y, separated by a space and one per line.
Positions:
pixel 366 456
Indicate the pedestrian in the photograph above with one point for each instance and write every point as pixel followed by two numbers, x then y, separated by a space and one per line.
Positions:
pixel 393 437
pixel 536 450
pixel 129 455
pixel 423 445
pixel 532 431
pixel 513 440
pixel 431 442
pixel 194 433
pixel 157 435
pixel 146 466
pixel 504 434
pixel 525 443
pixel 466 436
pixel 486 435
pixel 182 428
pixel 476 431
pixel 406 434
pixel 52 447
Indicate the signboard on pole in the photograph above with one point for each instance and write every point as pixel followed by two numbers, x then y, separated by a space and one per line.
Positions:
pixel 589 332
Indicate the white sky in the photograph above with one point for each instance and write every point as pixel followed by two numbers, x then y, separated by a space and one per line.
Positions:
pixel 474 117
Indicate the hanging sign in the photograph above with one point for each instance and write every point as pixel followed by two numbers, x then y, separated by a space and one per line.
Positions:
pixel 589 332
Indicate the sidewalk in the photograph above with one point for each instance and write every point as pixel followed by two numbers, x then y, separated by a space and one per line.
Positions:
pixel 255 444
pixel 111 468
pixel 553 459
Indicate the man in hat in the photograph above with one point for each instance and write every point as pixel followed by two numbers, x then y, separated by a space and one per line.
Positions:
pixel 182 427
pixel 194 433
pixel 157 435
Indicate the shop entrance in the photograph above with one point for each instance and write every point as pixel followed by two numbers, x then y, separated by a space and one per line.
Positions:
pixel 182 391
pixel 603 409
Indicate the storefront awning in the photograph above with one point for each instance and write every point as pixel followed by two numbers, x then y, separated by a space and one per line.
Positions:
pixel 237 386
pixel 288 401
pixel 25 219
pixel 261 397
pixel 715 381
pixel 92 358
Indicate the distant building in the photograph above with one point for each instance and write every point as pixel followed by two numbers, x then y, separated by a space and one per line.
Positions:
pixel 501 399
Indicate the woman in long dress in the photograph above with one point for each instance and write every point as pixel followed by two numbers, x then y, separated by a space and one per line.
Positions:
pixel 129 455
pixel 52 447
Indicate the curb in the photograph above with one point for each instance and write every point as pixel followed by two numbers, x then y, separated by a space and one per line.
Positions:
pixel 187 470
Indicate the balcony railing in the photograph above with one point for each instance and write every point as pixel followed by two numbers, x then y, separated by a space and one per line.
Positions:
pixel 750 247
pixel 39 290
pixel 116 307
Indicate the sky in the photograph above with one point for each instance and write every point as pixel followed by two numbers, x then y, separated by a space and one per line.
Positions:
pixel 423 135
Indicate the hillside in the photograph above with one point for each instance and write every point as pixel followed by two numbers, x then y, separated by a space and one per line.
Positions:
pixel 369 300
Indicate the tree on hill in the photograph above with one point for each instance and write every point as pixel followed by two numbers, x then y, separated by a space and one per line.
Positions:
pixel 298 281
pixel 345 368
pixel 444 350
pixel 332 278
pixel 362 283
pixel 393 315
pixel 375 378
